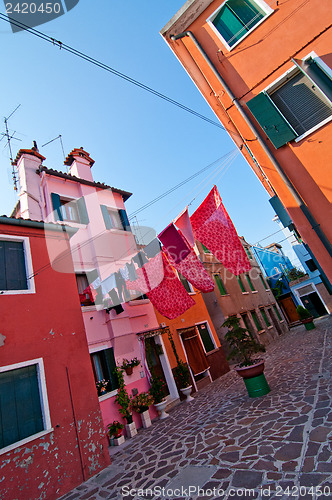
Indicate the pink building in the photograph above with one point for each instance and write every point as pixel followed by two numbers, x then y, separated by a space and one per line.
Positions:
pixel 103 244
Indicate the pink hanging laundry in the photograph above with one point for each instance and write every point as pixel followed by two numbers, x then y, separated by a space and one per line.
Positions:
pixel 170 297
pixel 174 243
pixel 183 223
pixel 192 269
pixel 149 276
pixel 213 227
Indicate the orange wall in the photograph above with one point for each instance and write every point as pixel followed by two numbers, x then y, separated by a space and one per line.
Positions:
pixel 260 59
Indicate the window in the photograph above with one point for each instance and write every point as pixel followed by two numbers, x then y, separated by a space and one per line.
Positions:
pixel 265 318
pixel 23 403
pixel 185 283
pixel 13 274
pixel 240 282
pixel 277 313
pixel 115 219
pixel 247 324
pixel 252 288
pixel 69 210
pixel 103 365
pixel 296 104
pixel 248 252
pixel 256 320
pixel 83 283
pixel 264 282
pixel 206 337
pixel 220 284
pixel 311 265
pixel 206 250
pixel 236 18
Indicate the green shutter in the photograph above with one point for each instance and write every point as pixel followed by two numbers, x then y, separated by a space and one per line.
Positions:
pixel 256 320
pixel 264 282
pixel 239 280
pixel 263 313
pixel 206 337
pixel 277 313
pixel 20 409
pixel 106 216
pixel 15 271
pixel 3 283
pixel 220 284
pixel 83 213
pixel 280 211
pixel 271 120
pixel 56 206
pixel 124 220
pixel 110 363
pixel 252 288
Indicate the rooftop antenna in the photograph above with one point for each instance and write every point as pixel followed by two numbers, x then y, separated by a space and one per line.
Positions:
pixel 55 138
pixel 9 138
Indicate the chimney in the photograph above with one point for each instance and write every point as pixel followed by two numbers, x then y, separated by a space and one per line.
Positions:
pixel 80 164
pixel 27 162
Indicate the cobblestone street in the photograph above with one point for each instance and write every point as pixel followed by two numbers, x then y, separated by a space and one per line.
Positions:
pixel 278 445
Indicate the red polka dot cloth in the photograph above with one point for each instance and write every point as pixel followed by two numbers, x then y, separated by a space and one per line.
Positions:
pixel 213 227
pixel 170 297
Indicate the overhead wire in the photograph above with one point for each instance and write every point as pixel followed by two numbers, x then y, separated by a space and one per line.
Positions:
pixel 109 69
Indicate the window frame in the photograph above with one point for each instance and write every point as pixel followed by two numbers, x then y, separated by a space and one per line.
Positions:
pixel 260 3
pixel 265 317
pixel 241 284
pixel 96 350
pixel 45 410
pixel 211 337
pixel 251 286
pixel 288 75
pixel 256 321
pixel 27 262
pixel 183 278
pixel 217 275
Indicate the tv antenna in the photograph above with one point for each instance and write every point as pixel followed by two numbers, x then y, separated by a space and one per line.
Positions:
pixel 9 138
pixel 55 138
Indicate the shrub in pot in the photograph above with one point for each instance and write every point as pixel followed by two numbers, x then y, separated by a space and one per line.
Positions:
pixel 306 317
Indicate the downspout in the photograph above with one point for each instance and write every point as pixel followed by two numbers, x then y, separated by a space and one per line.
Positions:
pixel 314 224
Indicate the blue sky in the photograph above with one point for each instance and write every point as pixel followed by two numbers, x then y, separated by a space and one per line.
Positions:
pixel 139 142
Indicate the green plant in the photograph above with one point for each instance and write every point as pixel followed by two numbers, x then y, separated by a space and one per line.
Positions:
pixel 182 375
pixel 141 402
pixel 242 345
pixel 303 312
pixel 129 363
pixel 157 389
pixel 114 428
pixel 122 397
pixel 294 274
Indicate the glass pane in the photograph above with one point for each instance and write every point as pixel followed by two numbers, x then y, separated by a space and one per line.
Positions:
pixel 229 26
pixel 206 338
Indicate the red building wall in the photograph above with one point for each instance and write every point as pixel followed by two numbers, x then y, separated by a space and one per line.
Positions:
pixel 48 324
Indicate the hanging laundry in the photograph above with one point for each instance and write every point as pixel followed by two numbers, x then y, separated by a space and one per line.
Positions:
pixel 213 227
pixel 174 243
pixel 131 271
pixel 108 284
pixel 140 259
pixel 124 272
pixel 96 283
pixel 114 297
pixel 183 223
pixel 152 249
pixel 193 270
pixel 149 277
pixel 123 293
pixel 91 292
pixel 170 297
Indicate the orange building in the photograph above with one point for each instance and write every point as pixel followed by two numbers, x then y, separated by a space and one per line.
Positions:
pixel 264 67
pixel 195 341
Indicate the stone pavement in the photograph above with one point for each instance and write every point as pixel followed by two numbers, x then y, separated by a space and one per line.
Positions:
pixel 234 447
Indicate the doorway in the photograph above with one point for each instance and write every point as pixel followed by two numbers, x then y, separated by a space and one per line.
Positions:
pixel 313 303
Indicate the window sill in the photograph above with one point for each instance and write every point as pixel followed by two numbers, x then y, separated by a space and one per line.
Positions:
pixel 192 293
pixel 270 327
pixel 108 395
pixel 21 443
pixel 71 223
pixel 313 129
pixel 224 295
pixel 245 293
pixel 138 302
pixel 212 352
pixel 261 331
pixel 17 292
pixel 254 291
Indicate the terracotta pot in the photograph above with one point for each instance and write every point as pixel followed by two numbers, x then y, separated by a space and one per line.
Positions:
pixel 129 370
pixel 251 371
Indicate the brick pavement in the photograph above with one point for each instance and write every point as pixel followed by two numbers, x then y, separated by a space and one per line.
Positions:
pixel 276 447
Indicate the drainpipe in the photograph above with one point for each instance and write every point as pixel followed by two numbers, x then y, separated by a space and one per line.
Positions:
pixel 314 224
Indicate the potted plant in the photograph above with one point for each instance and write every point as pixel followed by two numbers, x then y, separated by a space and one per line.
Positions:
pixel 102 386
pixel 182 377
pixel 243 347
pixel 140 404
pixel 115 433
pixel 123 400
pixel 157 391
pixel 305 317
pixel 128 365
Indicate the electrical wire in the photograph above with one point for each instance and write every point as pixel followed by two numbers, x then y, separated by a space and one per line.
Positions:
pixel 109 69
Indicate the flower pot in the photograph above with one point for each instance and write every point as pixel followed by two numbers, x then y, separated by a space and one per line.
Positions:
pixel 160 407
pixel 186 392
pixel 131 430
pixel 129 419
pixel 102 391
pixel 257 386
pixel 146 420
pixel 308 323
pixel 251 371
pixel 129 370
pixel 118 441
